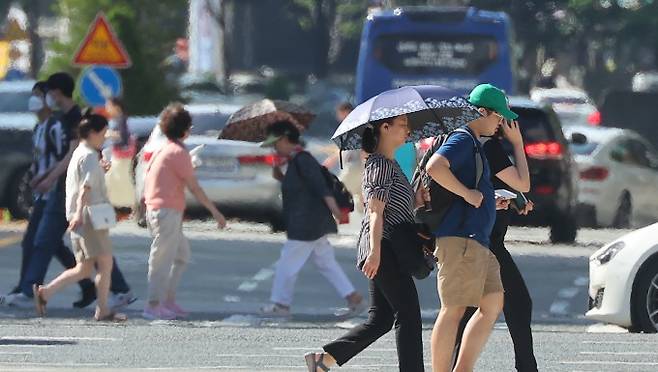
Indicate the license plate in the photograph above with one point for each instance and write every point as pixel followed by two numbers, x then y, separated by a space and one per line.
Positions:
pixel 221 165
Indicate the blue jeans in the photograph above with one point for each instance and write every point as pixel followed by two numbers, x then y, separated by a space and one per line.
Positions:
pixel 44 239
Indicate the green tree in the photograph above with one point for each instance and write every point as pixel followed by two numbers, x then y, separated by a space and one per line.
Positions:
pixel 148 30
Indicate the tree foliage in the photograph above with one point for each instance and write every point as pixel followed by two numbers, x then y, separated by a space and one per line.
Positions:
pixel 148 30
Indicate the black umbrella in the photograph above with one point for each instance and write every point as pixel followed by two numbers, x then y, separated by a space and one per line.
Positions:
pixel 431 110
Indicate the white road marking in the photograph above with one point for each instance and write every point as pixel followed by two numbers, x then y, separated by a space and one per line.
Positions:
pixel 608 362
pixel 606 328
pixel 15 353
pixel 30 346
pixel 261 276
pixel 48 364
pixel 559 307
pixel 617 353
pixel 570 292
pixel 621 342
pixel 63 338
pixel 581 281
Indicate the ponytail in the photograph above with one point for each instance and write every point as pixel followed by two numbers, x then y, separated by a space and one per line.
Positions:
pixel 370 136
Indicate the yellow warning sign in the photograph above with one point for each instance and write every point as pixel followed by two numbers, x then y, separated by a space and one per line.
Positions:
pixel 101 46
pixel 4 58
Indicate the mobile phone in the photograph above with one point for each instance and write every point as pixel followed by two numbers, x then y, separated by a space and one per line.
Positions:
pixel 519 202
pixel 505 194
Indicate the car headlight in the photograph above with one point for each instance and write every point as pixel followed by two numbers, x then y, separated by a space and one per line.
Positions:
pixel 610 252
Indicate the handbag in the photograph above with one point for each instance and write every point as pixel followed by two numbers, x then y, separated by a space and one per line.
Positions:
pixel 102 216
pixel 413 248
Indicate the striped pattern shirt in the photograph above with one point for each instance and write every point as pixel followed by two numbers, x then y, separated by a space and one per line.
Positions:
pixel 384 180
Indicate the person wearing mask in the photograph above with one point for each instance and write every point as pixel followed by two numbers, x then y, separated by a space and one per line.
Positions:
pixel 62 140
pixel 42 164
pixel 469 274
pixel 310 213
pixel 169 172
pixel 389 200
pixel 505 175
pixel 85 187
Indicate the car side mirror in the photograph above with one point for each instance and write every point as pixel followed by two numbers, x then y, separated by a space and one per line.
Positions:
pixel 578 138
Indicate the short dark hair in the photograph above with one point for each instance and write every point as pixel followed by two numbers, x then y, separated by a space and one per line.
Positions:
pixel 175 121
pixel 41 86
pixel 62 81
pixel 345 106
pixel 91 122
pixel 286 129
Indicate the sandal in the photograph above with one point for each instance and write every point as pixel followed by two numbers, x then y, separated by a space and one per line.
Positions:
pixel 39 302
pixel 313 364
pixel 112 317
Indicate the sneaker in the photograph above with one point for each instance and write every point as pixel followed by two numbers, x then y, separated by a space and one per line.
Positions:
pixel 176 309
pixel 157 313
pixel 88 297
pixel 19 300
pixel 120 300
pixel 275 311
pixel 357 308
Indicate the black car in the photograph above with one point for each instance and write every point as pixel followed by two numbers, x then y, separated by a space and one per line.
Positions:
pixel 16 154
pixel 553 172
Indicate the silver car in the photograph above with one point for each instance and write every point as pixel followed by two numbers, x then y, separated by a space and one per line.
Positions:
pixel 236 175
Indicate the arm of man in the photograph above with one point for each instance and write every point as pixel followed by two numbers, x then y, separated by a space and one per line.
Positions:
pixel 314 179
pixel 517 177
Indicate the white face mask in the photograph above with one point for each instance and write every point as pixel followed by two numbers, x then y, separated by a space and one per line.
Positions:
pixel 35 104
pixel 50 102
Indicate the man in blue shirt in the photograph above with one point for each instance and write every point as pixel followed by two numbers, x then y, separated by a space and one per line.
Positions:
pixel 469 274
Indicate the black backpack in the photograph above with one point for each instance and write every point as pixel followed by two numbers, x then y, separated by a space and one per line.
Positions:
pixel 338 190
pixel 441 199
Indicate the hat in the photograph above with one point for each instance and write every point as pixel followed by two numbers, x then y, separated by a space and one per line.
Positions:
pixel 490 97
pixel 278 130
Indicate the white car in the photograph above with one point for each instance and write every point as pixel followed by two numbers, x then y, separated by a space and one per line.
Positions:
pixel 623 281
pixel 618 177
pixel 572 106
pixel 236 175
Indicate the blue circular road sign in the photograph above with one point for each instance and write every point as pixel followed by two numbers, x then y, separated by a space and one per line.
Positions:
pixel 98 83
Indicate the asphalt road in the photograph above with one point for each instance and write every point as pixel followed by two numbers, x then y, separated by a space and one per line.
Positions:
pixel 230 277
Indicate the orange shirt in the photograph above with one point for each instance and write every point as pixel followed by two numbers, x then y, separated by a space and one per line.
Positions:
pixel 166 177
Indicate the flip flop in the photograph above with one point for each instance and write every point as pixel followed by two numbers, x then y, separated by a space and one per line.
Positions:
pixel 39 302
pixel 113 317
pixel 313 364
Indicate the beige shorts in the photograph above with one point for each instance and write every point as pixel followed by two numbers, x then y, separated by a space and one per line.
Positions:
pixel 88 243
pixel 467 272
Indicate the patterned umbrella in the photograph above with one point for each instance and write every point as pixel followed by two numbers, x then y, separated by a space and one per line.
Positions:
pixel 250 122
pixel 430 109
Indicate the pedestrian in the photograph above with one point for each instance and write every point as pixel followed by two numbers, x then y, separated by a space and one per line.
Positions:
pixel 310 213
pixel 118 131
pixel 42 163
pixel 389 201
pixel 121 186
pixel 85 188
pixel 469 274
pixel 514 177
pixel 169 172
pixel 352 162
pixel 61 140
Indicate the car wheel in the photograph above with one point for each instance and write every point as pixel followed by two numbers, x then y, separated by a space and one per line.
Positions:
pixel 624 213
pixel 564 229
pixel 20 195
pixel 644 300
pixel 277 223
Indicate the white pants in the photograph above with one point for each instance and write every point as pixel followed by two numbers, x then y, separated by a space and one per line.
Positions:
pixel 293 256
pixel 170 253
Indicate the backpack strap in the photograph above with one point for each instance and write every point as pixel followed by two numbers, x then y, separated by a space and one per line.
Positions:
pixel 479 161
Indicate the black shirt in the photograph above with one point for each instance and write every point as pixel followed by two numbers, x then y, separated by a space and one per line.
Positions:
pixel 61 134
pixel 498 161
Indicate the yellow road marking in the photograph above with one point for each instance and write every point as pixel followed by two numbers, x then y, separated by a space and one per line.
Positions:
pixel 10 241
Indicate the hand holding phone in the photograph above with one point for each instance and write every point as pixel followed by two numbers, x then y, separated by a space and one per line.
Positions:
pixel 505 194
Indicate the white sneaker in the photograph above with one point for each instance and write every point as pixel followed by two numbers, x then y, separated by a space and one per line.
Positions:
pixel 120 300
pixel 157 313
pixel 19 300
pixel 275 311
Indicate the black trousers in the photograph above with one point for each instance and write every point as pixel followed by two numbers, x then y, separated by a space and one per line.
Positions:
pixel 518 304
pixel 393 303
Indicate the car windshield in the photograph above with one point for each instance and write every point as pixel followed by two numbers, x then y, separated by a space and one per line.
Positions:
pixel 14 101
pixel 208 124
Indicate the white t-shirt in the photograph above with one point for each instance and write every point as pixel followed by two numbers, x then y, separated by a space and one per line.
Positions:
pixel 84 169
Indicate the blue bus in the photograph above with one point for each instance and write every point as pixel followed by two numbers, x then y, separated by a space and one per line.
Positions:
pixel 456 47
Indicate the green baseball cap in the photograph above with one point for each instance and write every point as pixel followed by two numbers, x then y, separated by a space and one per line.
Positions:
pixel 492 98
pixel 270 140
